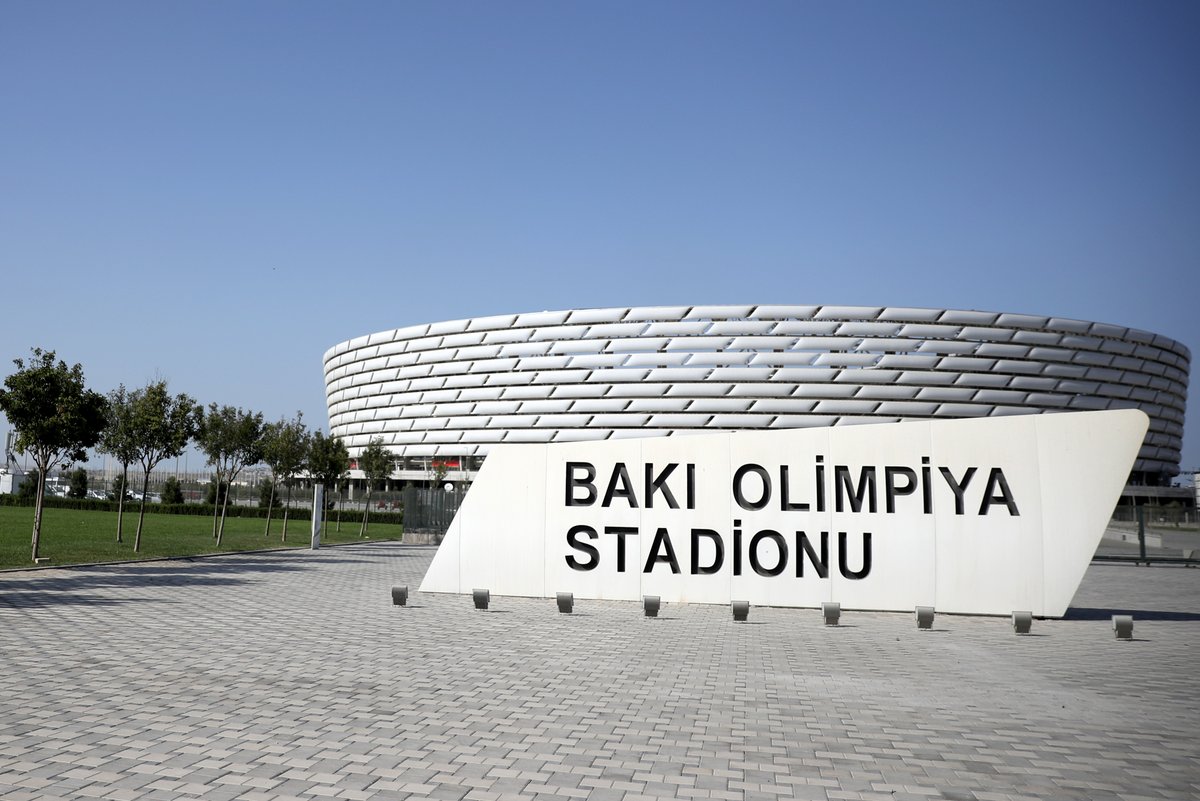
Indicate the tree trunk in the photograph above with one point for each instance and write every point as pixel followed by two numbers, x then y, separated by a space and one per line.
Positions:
pixel 287 506
pixel 337 510
pixel 137 538
pixel 362 531
pixel 224 505
pixel 270 506
pixel 217 505
pixel 37 511
pixel 121 499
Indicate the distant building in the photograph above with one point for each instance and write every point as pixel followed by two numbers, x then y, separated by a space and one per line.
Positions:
pixel 446 392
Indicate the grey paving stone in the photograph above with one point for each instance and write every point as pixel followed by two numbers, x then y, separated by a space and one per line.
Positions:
pixel 289 676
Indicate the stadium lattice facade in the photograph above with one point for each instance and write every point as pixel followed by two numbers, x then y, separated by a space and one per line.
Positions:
pixel 451 390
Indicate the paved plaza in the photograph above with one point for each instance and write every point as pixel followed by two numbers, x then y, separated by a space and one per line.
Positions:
pixel 290 675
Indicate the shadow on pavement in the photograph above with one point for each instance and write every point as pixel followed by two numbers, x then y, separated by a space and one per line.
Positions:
pixel 1087 613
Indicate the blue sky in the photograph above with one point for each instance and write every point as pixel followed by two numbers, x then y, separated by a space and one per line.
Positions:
pixel 217 192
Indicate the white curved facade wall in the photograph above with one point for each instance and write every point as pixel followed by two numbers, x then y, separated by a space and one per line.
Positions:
pixel 456 388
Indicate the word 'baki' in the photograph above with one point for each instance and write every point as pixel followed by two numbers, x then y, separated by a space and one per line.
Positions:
pixel 754 487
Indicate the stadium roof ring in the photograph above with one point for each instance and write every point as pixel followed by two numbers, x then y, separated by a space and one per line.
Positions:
pixel 459 387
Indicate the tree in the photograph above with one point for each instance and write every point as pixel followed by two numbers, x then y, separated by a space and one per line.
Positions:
pixel 376 463
pixel 285 450
pixel 79 483
pixel 172 493
pixel 119 441
pixel 55 416
pixel 232 440
pixel 163 425
pixel 327 461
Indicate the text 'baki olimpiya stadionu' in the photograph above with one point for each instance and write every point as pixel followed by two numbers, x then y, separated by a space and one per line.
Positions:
pixel 452 390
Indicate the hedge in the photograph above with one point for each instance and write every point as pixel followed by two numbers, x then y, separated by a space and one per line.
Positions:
pixel 199 509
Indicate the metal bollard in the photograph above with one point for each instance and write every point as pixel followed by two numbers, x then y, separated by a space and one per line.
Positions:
pixel 400 596
pixel 1022 622
pixel 832 611
pixel 566 601
pixel 482 597
pixel 741 611
pixel 650 604
pixel 1123 626
pixel 924 617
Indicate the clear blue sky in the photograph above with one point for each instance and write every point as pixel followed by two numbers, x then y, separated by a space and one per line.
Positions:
pixel 216 192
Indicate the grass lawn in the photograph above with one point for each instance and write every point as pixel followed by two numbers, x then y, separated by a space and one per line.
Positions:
pixel 71 536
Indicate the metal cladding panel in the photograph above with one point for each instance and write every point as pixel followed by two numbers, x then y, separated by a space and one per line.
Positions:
pixel 802 328
pixel 847 313
pixel 525 349
pixel 909 315
pixel 540 319
pixel 652 313
pixel 718 405
pixel 656 360
pixel 719 312
pixel 741 328
pixel 894 361
pixel 659 404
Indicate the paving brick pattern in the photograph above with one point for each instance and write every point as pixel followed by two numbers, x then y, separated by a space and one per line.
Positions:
pixel 291 676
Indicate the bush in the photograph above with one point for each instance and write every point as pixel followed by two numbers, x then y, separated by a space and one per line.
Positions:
pixel 211 497
pixel 172 493
pixel 79 483
pixel 28 489
pixel 118 484
pixel 265 496
pixel 234 510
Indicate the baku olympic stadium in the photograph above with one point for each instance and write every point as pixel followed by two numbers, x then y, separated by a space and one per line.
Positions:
pixel 446 392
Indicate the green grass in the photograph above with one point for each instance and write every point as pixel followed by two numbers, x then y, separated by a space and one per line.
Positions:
pixel 71 536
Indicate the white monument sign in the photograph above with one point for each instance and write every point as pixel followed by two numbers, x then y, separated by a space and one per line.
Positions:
pixel 982 516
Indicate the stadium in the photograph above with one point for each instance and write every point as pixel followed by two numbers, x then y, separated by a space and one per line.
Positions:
pixel 440 395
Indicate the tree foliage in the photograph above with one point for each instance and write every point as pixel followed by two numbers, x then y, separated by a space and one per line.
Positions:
pixel 231 439
pixel 56 417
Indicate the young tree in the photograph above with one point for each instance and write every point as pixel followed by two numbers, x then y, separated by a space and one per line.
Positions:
pixel 172 493
pixel 163 426
pixel 376 463
pixel 232 440
pixel 119 441
pixel 285 449
pixel 55 416
pixel 79 483
pixel 327 461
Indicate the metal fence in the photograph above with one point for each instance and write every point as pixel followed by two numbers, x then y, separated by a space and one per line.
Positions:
pixel 429 511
